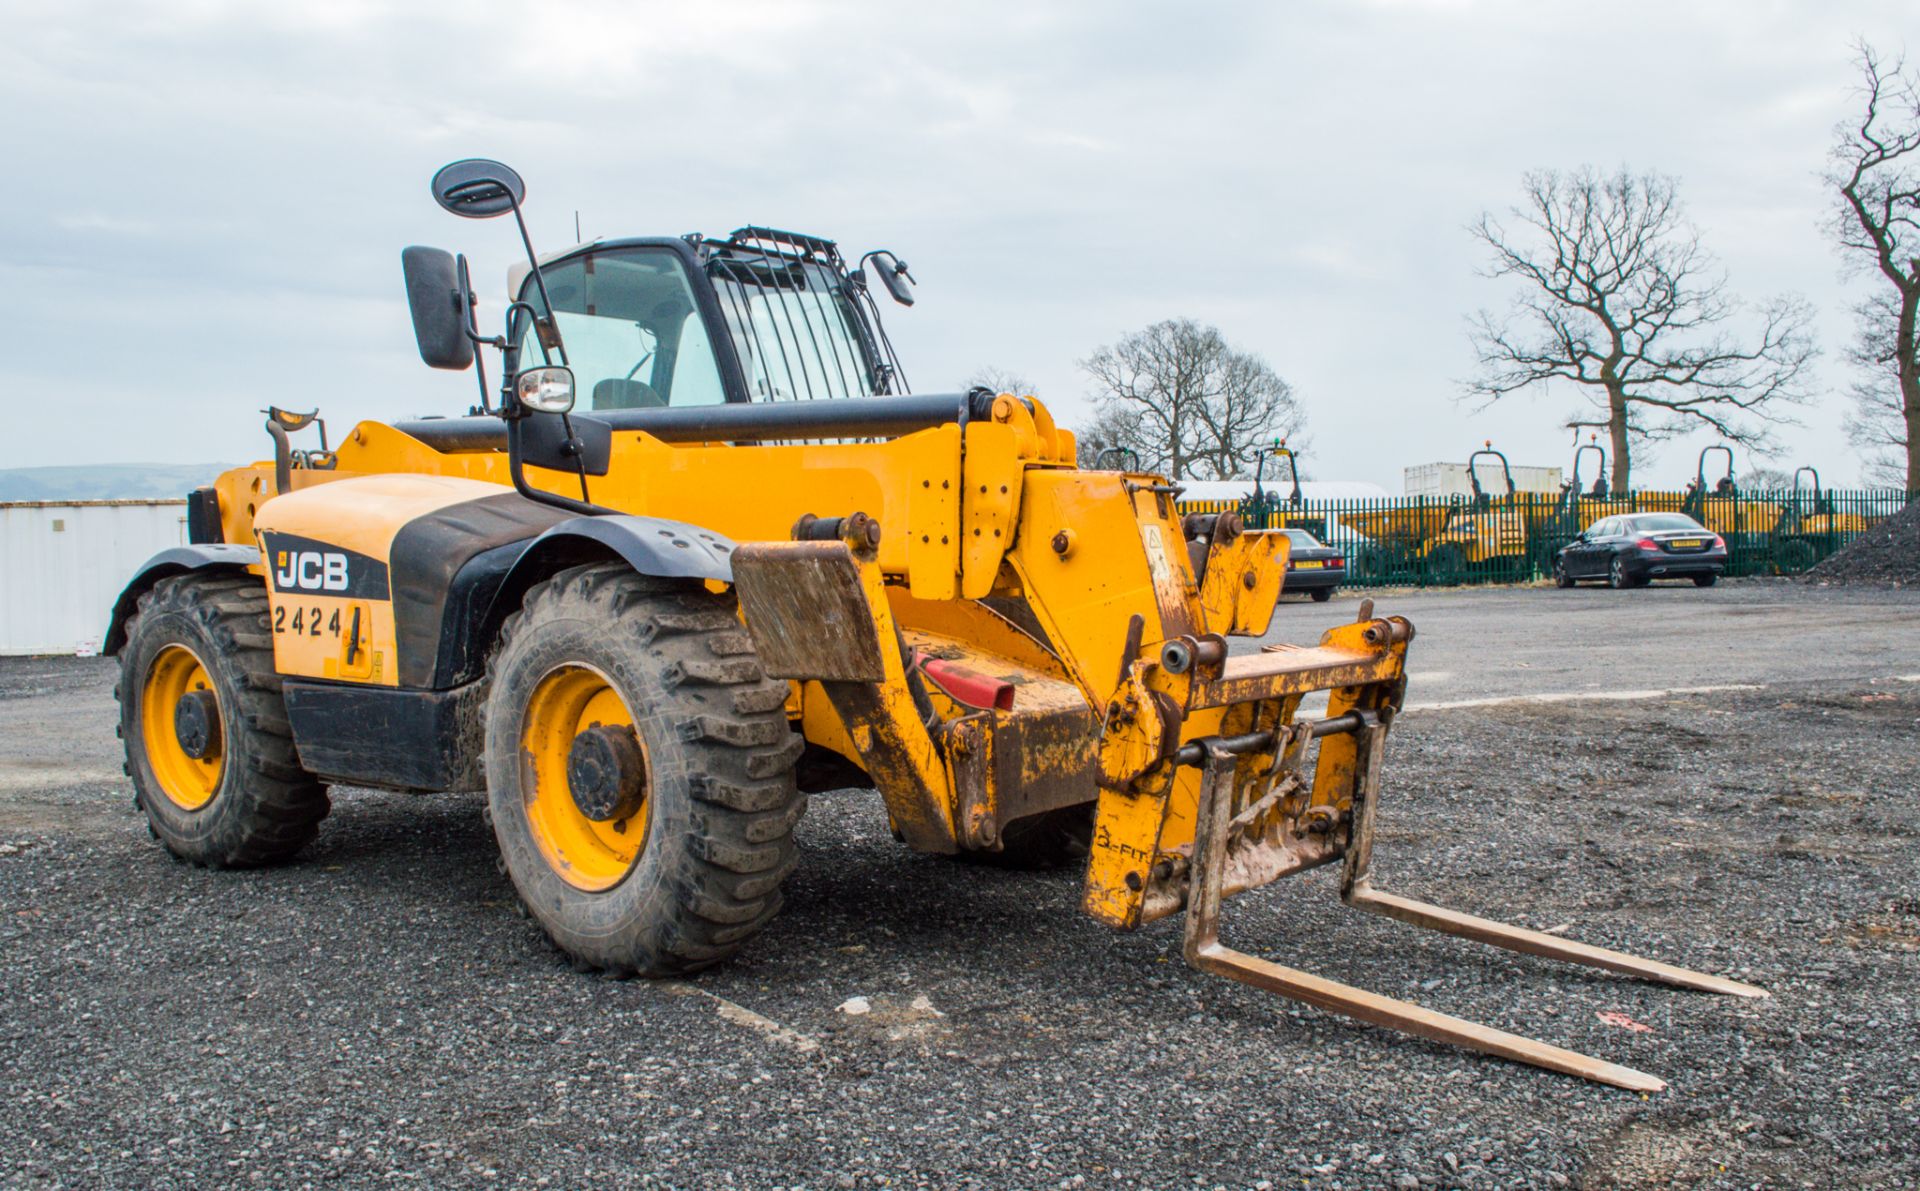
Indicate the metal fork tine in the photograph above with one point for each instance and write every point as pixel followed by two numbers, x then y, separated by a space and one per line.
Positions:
pixel 1412 1019
pixel 1356 890
pixel 1205 952
pixel 1531 942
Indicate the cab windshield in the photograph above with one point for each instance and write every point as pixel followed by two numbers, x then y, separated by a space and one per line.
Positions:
pixel 633 334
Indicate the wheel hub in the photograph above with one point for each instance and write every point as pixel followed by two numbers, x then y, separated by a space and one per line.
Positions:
pixel 196 723
pixel 606 773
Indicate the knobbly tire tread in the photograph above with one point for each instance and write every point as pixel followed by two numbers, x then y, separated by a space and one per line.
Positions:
pixel 267 807
pixel 721 757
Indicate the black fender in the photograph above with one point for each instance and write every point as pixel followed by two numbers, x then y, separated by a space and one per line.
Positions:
pixel 178 560
pixel 652 546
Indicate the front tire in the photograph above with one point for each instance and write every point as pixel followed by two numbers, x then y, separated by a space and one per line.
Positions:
pixel 1560 577
pixel 208 744
pixel 682 869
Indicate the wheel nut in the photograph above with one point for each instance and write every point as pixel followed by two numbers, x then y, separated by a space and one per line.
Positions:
pixel 196 723
pixel 607 773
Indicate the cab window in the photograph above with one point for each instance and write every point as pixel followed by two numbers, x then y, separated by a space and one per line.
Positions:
pixel 633 335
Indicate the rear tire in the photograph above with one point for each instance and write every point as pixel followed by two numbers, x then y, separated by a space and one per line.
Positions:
pixel 1617 575
pixel 1707 580
pixel 245 801
pixel 1447 564
pixel 712 835
pixel 1321 594
pixel 1795 556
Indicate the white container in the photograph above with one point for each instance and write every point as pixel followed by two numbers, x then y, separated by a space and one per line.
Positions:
pixel 1450 479
pixel 63 564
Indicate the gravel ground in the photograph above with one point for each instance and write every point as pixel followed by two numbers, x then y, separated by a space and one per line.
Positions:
pixel 380 1013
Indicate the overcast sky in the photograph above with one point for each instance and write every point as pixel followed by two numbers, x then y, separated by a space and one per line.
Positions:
pixel 204 202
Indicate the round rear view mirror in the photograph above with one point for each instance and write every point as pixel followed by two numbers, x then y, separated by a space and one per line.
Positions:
pixel 477 188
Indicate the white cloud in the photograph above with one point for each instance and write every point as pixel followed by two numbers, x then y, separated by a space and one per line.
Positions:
pixel 206 201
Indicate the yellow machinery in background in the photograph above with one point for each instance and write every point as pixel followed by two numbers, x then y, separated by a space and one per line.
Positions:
pixel 704 553
pixel 1486 534
pixel 1811 527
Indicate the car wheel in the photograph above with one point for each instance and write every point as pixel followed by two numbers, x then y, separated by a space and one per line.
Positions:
pixel 1707 580
pixel 1321 594
pixel 1560 576
pixel 1617 575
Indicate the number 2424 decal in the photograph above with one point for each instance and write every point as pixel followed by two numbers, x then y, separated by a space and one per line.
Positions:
pixel 304 621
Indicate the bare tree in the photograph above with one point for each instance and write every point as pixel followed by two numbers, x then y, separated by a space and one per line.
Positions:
pixel 1000 380
pixel 1621 300
pixel 1112 428
pixel 1876 170
pixel 1191 404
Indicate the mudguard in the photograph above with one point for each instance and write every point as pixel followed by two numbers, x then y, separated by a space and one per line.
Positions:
pixel 491 584
pixel 650 545
pixel 177 560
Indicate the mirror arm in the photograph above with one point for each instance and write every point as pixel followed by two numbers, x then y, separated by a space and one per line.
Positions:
pixel 540 283
pixel 470 324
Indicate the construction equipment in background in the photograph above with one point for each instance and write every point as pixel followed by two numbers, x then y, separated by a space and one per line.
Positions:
pixel 1266 508
pixel 753 564
pixel 1745 521
pixel 1484 535
pixel 1811 528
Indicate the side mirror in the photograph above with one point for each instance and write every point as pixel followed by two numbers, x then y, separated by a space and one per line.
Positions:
pixel 477 188
pixel 545 442
pixel 893 274
pixel 439 307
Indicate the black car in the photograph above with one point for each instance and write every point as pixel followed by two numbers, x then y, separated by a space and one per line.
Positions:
pixel 1313 568
pixel 1634 548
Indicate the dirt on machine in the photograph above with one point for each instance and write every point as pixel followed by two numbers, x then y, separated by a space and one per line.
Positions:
pixel 697 551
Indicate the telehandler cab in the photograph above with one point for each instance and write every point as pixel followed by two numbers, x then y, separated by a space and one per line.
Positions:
pixel 705 552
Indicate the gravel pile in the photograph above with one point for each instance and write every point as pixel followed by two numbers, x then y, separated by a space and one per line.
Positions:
pixel 378 1013
pixel 1887 553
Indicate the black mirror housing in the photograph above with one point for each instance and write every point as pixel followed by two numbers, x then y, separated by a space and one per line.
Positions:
pixel 438 304
pixel 477 188
pixel 893 275
pixel 545 441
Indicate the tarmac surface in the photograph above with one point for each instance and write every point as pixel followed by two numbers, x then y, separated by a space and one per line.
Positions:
pixel 380 1013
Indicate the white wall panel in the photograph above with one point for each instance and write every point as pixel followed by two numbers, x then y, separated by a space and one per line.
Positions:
pixel 62 565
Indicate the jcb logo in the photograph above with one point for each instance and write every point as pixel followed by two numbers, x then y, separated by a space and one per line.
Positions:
pixel 310 570
pixel 300 564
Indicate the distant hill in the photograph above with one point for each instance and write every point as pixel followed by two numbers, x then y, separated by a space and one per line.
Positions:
pixel 106 481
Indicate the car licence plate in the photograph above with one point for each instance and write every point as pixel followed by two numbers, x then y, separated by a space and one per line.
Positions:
pixel 1308 564
pixel 1686 543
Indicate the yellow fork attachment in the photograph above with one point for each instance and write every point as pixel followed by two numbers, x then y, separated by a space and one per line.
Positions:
pixel 1243 838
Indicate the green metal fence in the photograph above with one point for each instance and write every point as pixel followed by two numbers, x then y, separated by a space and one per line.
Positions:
pixel 1430 541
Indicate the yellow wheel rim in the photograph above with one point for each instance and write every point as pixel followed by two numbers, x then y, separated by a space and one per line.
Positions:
pixel 189 782
pixel 587 854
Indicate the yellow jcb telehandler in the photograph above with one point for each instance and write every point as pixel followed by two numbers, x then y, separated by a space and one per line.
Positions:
pixel 705 552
